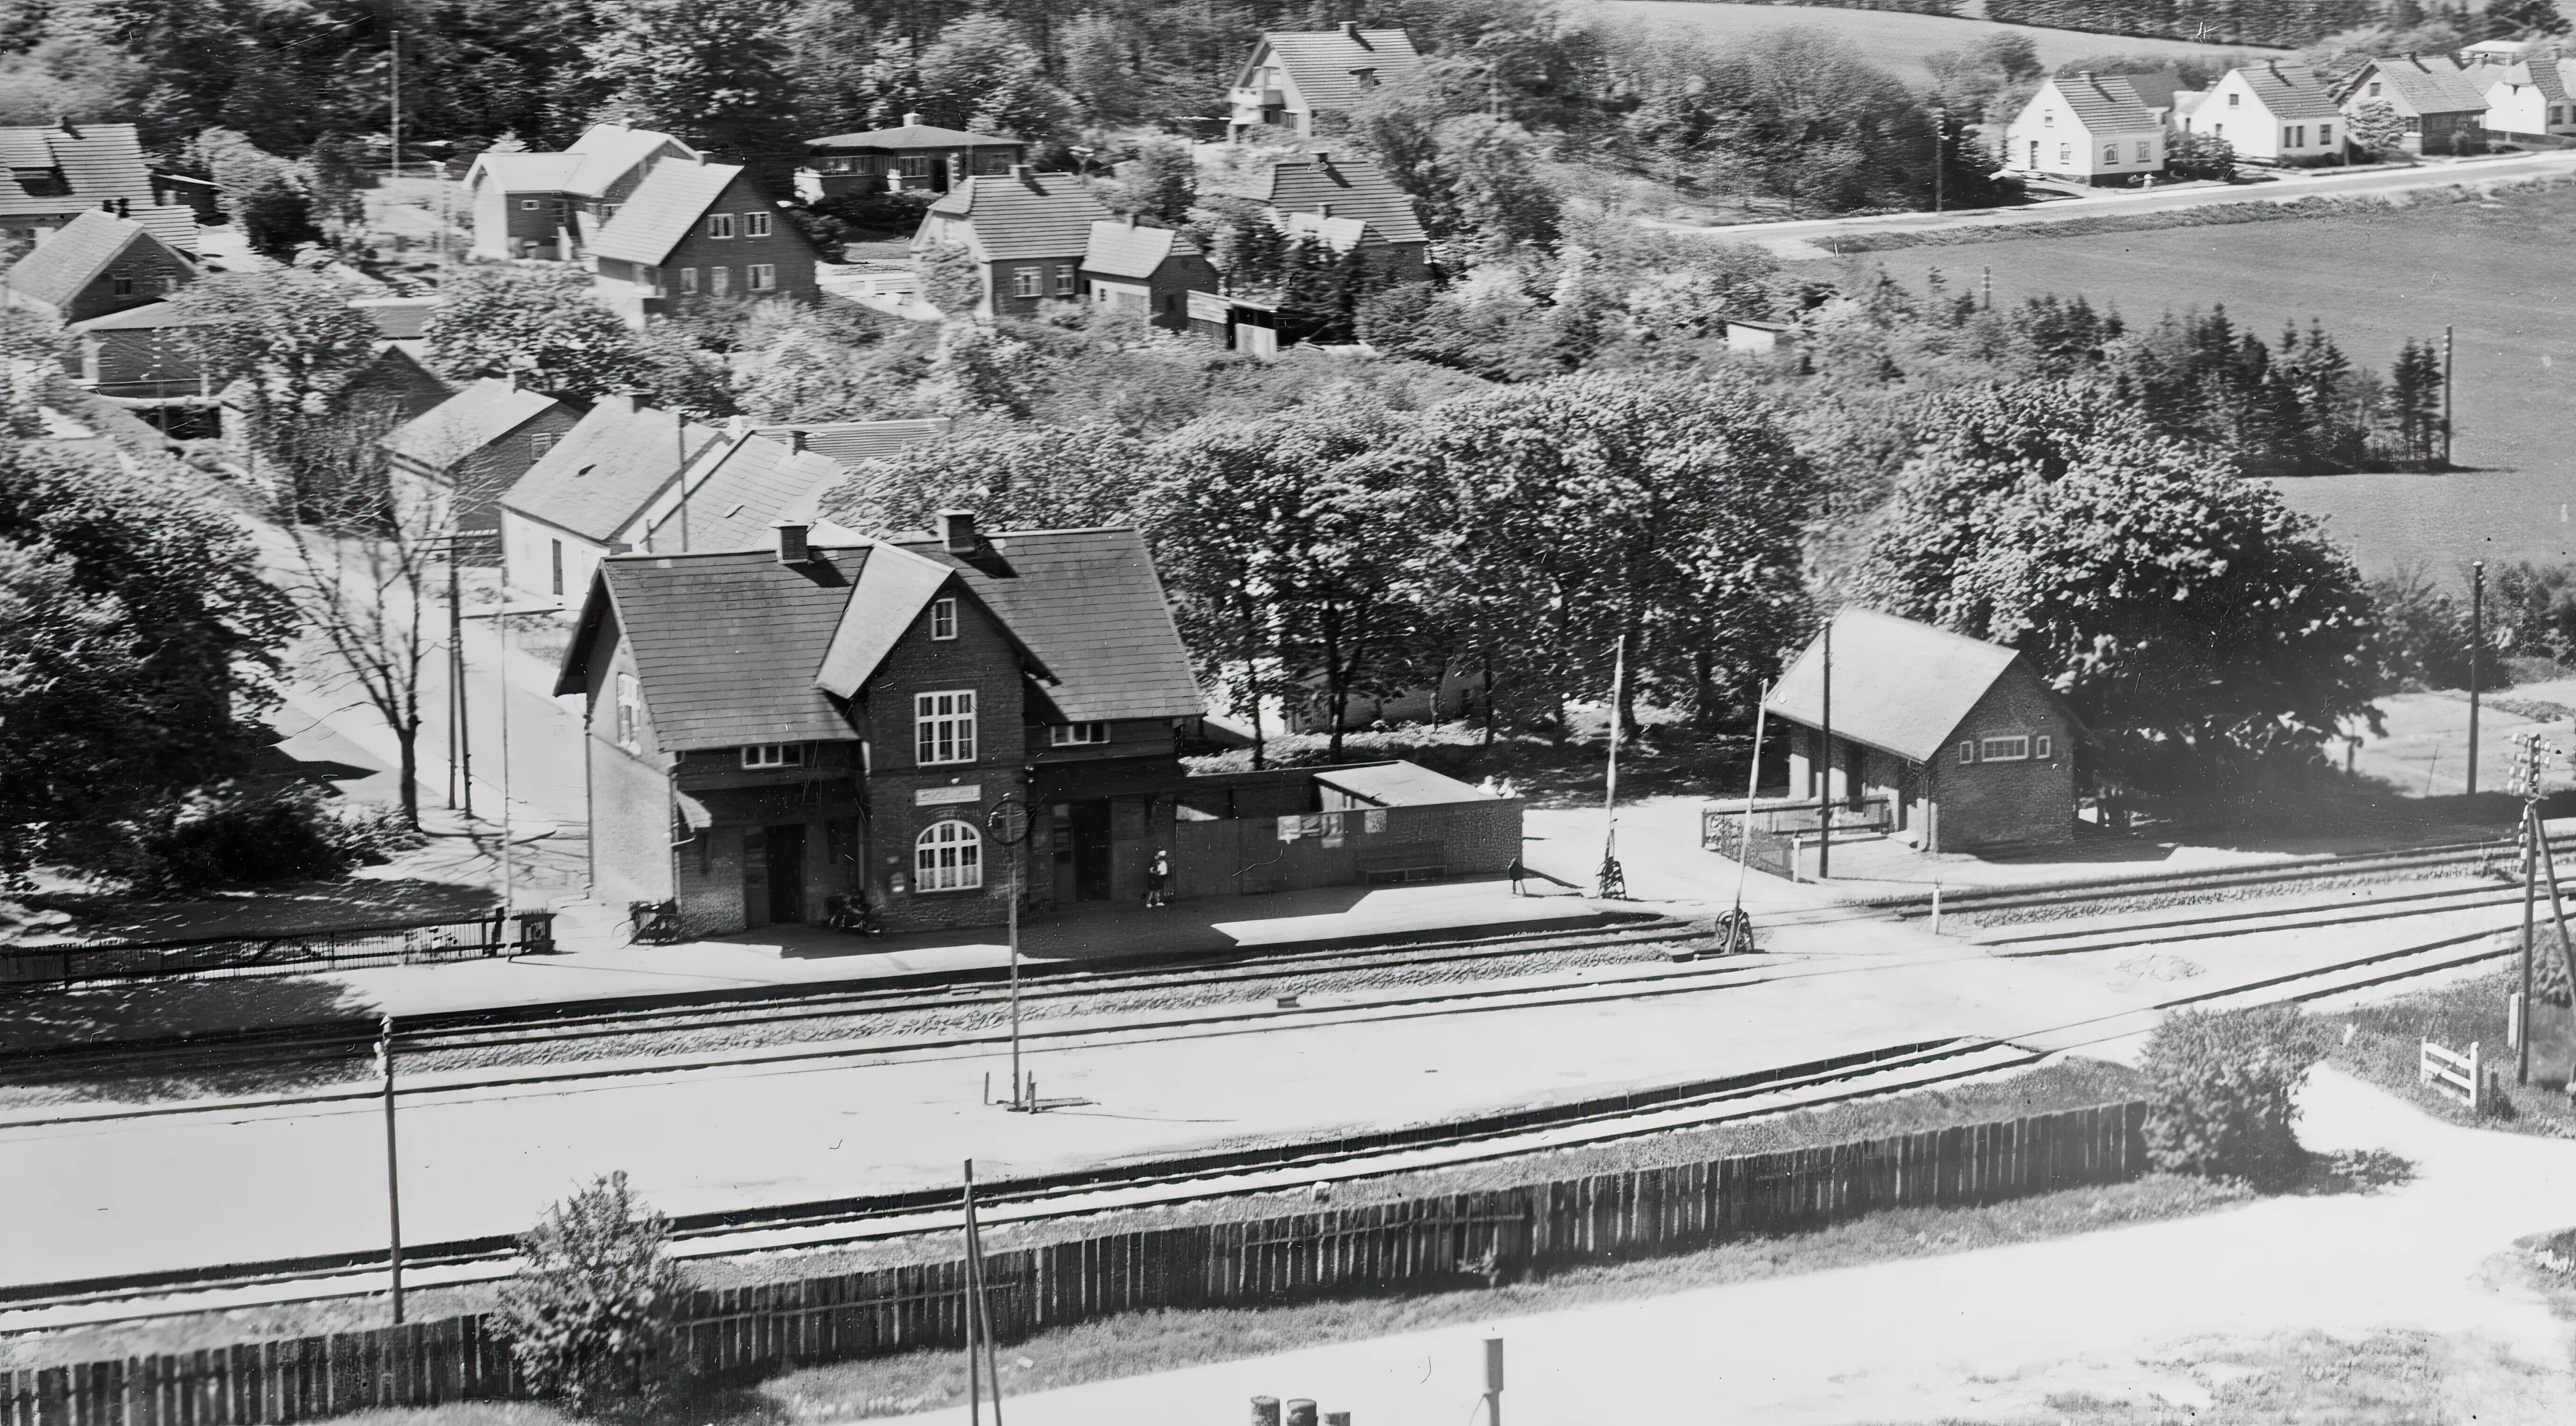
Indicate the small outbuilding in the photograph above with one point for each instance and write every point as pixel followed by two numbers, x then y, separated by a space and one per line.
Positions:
pixel 1964 744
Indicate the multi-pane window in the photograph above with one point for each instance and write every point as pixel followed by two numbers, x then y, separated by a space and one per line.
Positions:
pixel 774 755
pixel 630 714
pixel 1071 735
pixel 948 856
pixel 2110 153
pixel 943 727
pixel 755 225
pixel 688 282
pixel 554 556
pixel 2235 99
pixel 760 277
pixel 2143 151
pixel 1064 279
pixel 123 281
pixel 1997 750
pixel 943 618
pixel 541 442
pixel 719 281
pixel 1028 282
pixel 719 225
pixel 2325 133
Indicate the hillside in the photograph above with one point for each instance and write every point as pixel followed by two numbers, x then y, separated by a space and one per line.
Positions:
pixel 1891 39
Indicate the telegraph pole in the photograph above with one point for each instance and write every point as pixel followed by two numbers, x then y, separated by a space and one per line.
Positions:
pixel 2477 656
pixel 1825 767
pixel 393 1163
pixel 2526 783
pixel 1614 880
pixel 2446 398
pixel 1940 142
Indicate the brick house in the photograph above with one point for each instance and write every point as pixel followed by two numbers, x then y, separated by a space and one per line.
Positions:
pixel 2443 107
pixel 1149 272
pixel 546 205
pixel 910 155
pixel 1967 745
pixel 696 232
pixel 1295 77
pixel 2092 129
pixel 1028 232
pixel 475 445
pixel 95 265
pixel 56 172
pixel 567 513
pixel 1341 200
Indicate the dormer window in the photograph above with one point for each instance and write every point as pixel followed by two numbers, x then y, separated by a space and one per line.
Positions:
pixel 1365 77
pixel 768 755
pixel 1075 735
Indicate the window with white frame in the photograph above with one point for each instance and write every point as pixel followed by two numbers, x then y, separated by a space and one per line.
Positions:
pixel 541 442
pixel 2325 133
pixel 2048 120
pixel 2143 151
pixel 761 277
pixel 2110 153
pixel 1074 735
pixel 1028 282
pixel 2003 750
pixel 2235 99
pixel 719 225
pixel 688 282
pixel 2039 747
pixel 943 618
pixel 2066 153
pixel 916 165
pixel 719 281
pixel 1064 279
pixel 630 714
pixel 774 755
pixel 555 558
pixel 529 205
pixel 943 727
pixel 755 225
pixel 948 856
pixel 1967 753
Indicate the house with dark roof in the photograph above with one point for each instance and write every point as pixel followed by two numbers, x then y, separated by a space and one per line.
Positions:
pixel 850 444
pixel 2443 109
pixel 1341 200
pixel 1963 743
pixel 696 232
pixel 1293 77
pixel 776 733
pixel 465 451
pixel 910 155
pixel 2529 99
pixel 541 205
pixel 94 265
pixel 733 495
pixel 2091 129
pixel 1144 272
pixel 576 502
pixel 56 172
pixel 2271 113
pixel 1029 232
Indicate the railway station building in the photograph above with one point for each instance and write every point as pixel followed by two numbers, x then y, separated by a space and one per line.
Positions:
pixel 1955 744
pixel 832 718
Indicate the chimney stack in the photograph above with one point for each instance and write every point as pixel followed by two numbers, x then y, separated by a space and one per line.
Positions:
pixel 957 531
pixel 1351 30
pixel 912 121
pixel 1020 171
pixel 792 548
pixel 621 403
pixel 796 439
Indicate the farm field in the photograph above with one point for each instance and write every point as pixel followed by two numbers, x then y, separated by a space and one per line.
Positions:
pixel 1893 40
pixel 2494 270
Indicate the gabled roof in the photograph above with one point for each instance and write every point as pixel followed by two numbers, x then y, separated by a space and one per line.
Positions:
pixel 2552 77
pixel 1126 250
pixel 1023 215
pixel 397 319
pixel 852 443
pixel 1399 784
pixel 605 470
pixel 725 645
pixel 911 136
pixel 737 490
pixel 1337 234
pixel 609 151
pixel 148 317
pixel 1321 62
pixel 2288 91
pixel 2420 85
pixel 97 162
pixel 2105 103
pixel 74 255
pixel 1900 686
pixel 670 200
pixel 1326 184
pixel 527 172
pixel 894 587
pixel 171 223
pixel 466 422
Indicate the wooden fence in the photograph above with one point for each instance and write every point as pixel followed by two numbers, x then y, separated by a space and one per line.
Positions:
pixel 1424 1243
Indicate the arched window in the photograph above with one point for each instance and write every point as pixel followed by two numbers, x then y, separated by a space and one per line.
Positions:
pixel 949 856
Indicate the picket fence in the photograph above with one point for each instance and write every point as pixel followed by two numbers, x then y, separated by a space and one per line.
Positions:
pixel 1431 1242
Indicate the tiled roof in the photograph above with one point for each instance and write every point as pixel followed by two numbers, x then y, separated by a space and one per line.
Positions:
pixel 466 422
pixel 737 491
pixel 672 197
pixel 2552 77
pixel 397 319
pixel 528 172
pixel 2156 90
pixel 893 589
pixel 1024 215
pixel 726 645
pixel 97 162
pixel 1088 604
pixel 1126 250
pixel 1900 686
pixel 2289 91
pixel 2421 85
pixel 605 470
pixel 1346 185
pixel 853 443
pixel 1320 62
pixel 172 224
pixel 73 256
pixel 2187 102
pixel 910 136
pixel 2105 103
pixel 1338 234
pixel 148 317
pixel 609 151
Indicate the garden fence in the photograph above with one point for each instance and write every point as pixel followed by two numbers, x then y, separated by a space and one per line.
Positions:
pixel 1421 1243
pixel 288 953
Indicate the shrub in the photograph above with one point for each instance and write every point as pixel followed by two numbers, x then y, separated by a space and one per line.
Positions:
pixel 592 1313
pixel 229 834
pixel 2222 1090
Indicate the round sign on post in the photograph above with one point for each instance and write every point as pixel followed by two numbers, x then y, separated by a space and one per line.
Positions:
pixel 1008 821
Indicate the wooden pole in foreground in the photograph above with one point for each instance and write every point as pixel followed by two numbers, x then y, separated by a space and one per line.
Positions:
pixel 393 1165
pixel 974 1376
pixel 980 1298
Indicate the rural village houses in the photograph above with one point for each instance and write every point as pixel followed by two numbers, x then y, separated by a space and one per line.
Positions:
pixel 471 448
pixel 912 155
pixel 95 265
pixel 2091 129
pixel 2443 109
pixel 547 205
pixel 695 232
pixel 2272 113
pixel 1295 77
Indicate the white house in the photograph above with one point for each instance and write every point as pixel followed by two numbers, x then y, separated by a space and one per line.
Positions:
pixel 2532 99
pixel 2090 129
pixel 578 502
pixel 2269 113
pixel 1293 76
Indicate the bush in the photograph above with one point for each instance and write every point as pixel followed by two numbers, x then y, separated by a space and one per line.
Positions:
pixel 2222 1090
pixel 592 1314
pixel 229 834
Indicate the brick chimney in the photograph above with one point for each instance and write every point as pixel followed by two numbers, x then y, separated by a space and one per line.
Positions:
pixel 620 403
pixel 912 121
pixel 792 548
pixel 1351 32
pixel 957 531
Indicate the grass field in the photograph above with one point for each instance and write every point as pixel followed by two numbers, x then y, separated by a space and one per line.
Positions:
pixel 1893 40
pixel 2494 270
